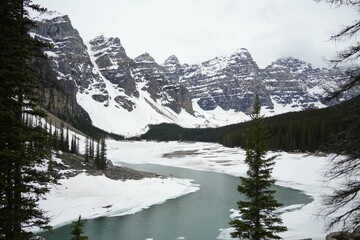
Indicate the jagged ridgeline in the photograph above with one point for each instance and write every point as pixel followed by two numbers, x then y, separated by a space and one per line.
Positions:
pixel 124 95
pixel 310 130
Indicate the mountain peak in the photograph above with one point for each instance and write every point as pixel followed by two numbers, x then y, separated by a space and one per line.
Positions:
pixel 241 50
pixel 172 60
pixel 100 40
pixel 241 53
pixel 49 15
pixel 145 57
pixel 296 66
pixel 292 61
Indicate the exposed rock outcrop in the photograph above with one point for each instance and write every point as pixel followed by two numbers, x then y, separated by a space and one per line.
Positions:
pixel 106 82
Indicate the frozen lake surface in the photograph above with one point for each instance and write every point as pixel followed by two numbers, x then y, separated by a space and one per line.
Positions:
pixel 207 209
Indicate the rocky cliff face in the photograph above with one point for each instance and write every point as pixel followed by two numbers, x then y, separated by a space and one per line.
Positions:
pixel 232 82
pixel 227 82
pixel 68 54
pixel 114 64
pixel 159 86
pixel 88 67
pixel 121 92
pixel 174 69
pixel 57 76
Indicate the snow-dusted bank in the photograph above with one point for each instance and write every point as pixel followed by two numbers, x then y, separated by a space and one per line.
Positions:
pixel 99 196
pixel 298 171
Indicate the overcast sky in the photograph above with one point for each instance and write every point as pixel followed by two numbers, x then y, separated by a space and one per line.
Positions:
pixel 198 30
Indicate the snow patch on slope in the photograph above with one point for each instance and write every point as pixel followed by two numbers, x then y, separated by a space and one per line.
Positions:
pixel 113 118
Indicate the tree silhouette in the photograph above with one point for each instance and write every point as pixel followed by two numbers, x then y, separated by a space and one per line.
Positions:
pixel 258 219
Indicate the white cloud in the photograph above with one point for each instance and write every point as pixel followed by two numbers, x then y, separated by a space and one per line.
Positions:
pixel 197 30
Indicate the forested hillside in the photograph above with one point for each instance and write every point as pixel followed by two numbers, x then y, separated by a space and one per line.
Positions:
pixel 310 130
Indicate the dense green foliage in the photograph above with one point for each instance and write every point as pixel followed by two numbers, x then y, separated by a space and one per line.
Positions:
pixel 342 206
pixel 100 157
pixel 257 213
pixel 23 144
pixel 77 230
pixel 309 130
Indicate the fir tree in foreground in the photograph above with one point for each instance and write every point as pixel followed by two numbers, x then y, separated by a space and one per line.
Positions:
pixel 23 144
pixel 258 219
pixel 100 158
pixel 77 230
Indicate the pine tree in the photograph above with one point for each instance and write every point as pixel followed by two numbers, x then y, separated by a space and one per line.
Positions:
pixel 73 145
pixel 102 160
pixel 22 146
pixel 342 207
pixel 92 149
pixel 87 149
pixel 62 137
pixel 55 140
pixel 77 145
pixel 77 230
pixel 258 220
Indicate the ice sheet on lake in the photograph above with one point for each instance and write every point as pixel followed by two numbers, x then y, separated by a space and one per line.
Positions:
pixel 295 170
pixel 99 196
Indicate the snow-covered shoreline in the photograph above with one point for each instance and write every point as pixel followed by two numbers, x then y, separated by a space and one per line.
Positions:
pixel 98 196
pixel 299 171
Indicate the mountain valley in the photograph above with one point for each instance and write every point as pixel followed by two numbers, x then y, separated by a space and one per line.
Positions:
pixel 124 96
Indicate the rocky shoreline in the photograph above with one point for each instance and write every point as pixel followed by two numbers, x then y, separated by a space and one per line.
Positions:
pixel 72 165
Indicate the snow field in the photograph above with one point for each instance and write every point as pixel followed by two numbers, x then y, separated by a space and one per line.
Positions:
pixel 299 171
pixel 99 196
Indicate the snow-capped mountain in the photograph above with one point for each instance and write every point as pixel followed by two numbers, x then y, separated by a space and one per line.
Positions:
pixel 124 95
pixel 231 82
pixel 226 82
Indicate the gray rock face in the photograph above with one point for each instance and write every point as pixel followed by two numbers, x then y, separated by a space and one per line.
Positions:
pixel 69 57
pixel 173 68
pixel 314 81
pixel 158 85
pixel 114 64
pixel 68 51
pixel 228 82
pixel 71 61
pixel 103 71
pixel 232 82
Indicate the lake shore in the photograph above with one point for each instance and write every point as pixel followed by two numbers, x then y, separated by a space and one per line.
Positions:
pixel 300 171
pixel 117 191
pixel 98 196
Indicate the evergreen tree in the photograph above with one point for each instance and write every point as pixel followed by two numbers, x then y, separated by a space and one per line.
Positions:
pixel 87 149
pixel 77 230
pixel 77 144
pixel 102 159
pixel 258 220
pixel 92 149
pixel 22 146
pixel 73 144
pixel 55 140
pixel 62 137
pixel 50 128
pixel 342 206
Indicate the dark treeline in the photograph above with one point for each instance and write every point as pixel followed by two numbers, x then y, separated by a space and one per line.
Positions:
pixel 310 130
pixel 59 140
